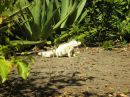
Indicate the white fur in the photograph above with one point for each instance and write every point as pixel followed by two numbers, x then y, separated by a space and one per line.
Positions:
pixel 67 49
pixel 47 54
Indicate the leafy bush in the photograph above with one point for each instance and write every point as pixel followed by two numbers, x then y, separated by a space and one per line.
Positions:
pixel 6 4
pixel 49 15
pixel 107 45
pixel 106 17
pixel 104 21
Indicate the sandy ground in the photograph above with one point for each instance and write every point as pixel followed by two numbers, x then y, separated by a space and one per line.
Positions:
pixel 92 73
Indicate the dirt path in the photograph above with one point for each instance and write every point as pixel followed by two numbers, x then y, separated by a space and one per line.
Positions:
pixel 92 73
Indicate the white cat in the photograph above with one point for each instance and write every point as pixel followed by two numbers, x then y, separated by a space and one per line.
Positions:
pixel 67 49
pixel 47 54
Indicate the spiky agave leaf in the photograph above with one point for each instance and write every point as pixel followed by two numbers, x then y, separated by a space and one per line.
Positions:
pixel 80 9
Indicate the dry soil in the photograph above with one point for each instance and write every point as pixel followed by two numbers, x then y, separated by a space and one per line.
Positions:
pixel 92 73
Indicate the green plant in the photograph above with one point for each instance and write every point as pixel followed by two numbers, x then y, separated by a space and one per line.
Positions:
pixel 107 45
pixel 74 17
pixel 23 68
pixel 86 20
pixel 6 4
pixel 5 67
pixel 70 9
pixel 124 29
pixel 43 18
pixel 37 19
pixel 9 19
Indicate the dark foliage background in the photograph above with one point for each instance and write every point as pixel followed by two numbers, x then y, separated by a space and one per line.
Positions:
pixel 106 20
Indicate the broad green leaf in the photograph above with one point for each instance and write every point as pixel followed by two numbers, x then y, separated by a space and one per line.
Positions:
pixel 5 67
pixel 23 69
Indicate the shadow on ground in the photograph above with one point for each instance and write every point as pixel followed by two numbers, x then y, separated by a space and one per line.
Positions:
pixel 92 73
pixel 17 87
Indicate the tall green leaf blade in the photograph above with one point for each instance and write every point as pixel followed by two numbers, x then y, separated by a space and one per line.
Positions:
pixel 64 10
pixel 80 9
pixel 26 22
pixel 36 11
pixel 57 3
pixel 36 15
pixel 83 15
pixel 49 14
pixel 71 10
pixel 43 14
pixel 23 69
